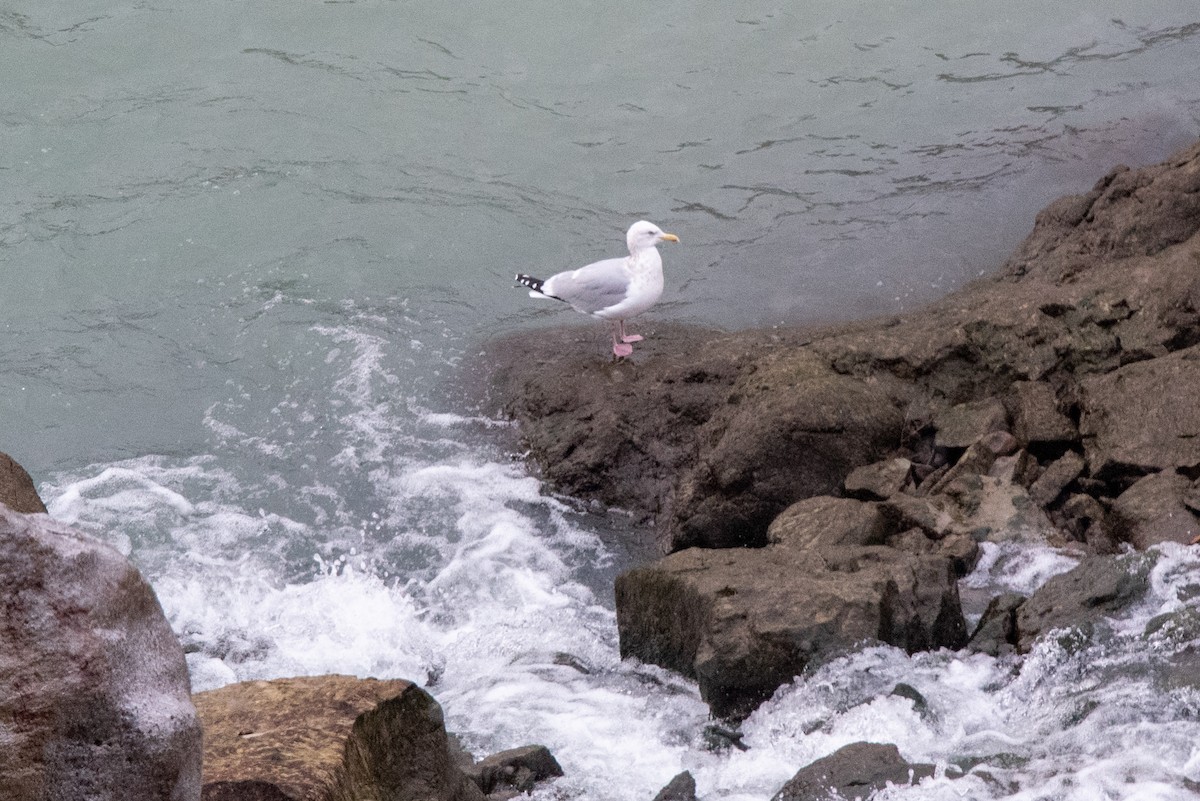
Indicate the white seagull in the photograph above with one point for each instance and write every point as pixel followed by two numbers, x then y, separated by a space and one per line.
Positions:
pixel 613 289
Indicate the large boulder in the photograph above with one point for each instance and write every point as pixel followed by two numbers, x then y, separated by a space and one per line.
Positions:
pixel 16 488
pixel 1144 417
pixel 854 772
pixel 1099 587
pixel 330 738
pixel 94 691
pixel 796 430
pixel 1153 510
pixel 742 622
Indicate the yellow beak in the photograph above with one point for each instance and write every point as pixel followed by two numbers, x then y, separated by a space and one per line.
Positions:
pixel 669 238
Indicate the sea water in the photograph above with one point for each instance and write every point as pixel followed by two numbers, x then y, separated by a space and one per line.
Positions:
pixel 247 251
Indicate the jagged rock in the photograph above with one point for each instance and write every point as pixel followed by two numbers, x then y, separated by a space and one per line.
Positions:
pixel 1036 417
pixel 978 459
pixel 1099 586
pixel 681 788
pixel 960 549
pixel 16 488
pixel 94 691
pixel 997 511
pixel 978 506
pixel 744 621
pixel 879 480
pixel 1143 417
pixel 797 430
pixel 1057 475
pixel 514 771
pixel 996 632
pixel 331 738
pixel 820 521
pixel 964 424
pixel 853 772
pixel 1153 511
pixel 1018 468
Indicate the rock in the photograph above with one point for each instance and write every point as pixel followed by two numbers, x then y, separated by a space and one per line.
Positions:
pixel 930 515
pixel 742 622
pixel 1143 417
pixel 797 430
pixel 516 770
pixel 960 549
pixel 996 632
pixel 1098 587
pixel 243 791
pixel 855 771
pixel 335 737
pixel 1152 510
pixel 1057 475
pixel 995 510
pixel 1128 213
pixel 965 424
pixel 94 691
pixel 820 521
pixel 979 459
pixel 16 488
pixel 1017 468
pixel 681 788
pixel 879 481
pixel 1037 420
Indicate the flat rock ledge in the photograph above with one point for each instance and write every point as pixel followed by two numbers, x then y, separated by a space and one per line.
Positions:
pixel 1053 402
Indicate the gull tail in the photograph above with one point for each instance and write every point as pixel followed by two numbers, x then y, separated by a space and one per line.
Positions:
pixel 534 284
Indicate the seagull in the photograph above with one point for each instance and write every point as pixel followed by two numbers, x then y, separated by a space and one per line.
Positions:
pixel 613 289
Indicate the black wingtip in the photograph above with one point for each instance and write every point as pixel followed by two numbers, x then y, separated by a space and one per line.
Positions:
pixel 528 280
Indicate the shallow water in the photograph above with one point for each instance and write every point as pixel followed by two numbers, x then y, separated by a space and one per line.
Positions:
pixel 248 249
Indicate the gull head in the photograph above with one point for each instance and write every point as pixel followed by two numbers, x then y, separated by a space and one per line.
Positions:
pixel 644 235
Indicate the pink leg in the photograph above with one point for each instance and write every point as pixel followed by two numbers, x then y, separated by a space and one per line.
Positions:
pixel 629 337
pixel 620 349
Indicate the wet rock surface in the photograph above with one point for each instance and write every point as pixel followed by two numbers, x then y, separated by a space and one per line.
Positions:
pixel 744 621
pixel 1052 403
pixel 855 771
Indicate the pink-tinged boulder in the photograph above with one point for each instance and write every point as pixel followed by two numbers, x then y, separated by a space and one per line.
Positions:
pixel 94 693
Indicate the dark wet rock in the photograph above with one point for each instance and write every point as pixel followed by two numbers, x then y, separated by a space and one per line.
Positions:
pixel 1055 478
pixel 961 549
pixel 681 788
pixel 797 429
pixel 331 738
pixel 94 690
pixel 996 632
pixel 879 480
pixel 1143 417
pixel 514 771
pixel 1037 419
pixel 1152 510
pixel 16 488
pixel 855 771
pixel 742 622
pixel 978 459
pixel 821 521
pixel 243 791
pixel 964 424
pixel 920 703
pixel 1100 586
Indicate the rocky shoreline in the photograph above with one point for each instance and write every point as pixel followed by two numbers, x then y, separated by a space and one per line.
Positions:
pixel 811 491
pixel 817 489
